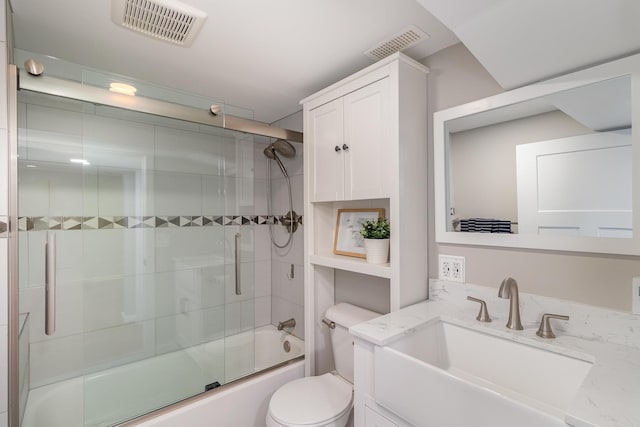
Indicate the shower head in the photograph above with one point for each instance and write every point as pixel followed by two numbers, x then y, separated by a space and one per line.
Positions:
pixel 282 147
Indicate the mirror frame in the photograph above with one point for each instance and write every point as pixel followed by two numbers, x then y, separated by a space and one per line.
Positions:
pixel 629 66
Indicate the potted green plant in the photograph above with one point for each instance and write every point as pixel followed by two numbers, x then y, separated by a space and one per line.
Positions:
pixel 376 240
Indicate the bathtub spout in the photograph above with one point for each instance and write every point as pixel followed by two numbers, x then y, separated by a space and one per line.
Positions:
pixel 290 323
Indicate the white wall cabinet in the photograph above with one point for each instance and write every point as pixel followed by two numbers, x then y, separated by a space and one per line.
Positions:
pixel 350 133
pixel 377 119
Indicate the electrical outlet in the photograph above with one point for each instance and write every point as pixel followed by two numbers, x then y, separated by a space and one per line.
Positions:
pixel 635 295
pixel 451 268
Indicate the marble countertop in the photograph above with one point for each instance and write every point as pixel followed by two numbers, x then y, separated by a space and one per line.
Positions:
pixel 610 394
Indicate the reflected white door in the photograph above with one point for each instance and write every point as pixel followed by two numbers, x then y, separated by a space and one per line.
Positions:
pixel 577 186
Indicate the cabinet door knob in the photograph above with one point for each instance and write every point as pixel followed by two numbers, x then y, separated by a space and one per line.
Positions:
pixel 345 147
pixel 337 148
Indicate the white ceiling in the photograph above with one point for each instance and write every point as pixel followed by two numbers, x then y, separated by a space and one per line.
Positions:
pixel 261 55
pixel 267 55
pixel 523 41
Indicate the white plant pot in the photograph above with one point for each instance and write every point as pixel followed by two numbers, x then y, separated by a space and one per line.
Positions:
pixel 377 250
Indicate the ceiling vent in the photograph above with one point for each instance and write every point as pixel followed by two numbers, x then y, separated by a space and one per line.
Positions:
pixel 406 38
pixel 167 20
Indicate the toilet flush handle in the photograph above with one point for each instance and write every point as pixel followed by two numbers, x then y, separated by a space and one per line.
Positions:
pixel 329 323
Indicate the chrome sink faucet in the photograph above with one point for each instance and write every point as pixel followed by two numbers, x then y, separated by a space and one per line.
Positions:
pixel 509 289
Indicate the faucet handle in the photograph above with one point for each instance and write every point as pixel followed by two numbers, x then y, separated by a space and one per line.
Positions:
pixel 545 331
pixel 483 314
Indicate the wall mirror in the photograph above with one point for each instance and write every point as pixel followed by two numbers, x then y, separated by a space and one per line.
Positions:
pixel 547 166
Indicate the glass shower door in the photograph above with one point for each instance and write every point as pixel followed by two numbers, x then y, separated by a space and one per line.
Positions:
pixel 148 215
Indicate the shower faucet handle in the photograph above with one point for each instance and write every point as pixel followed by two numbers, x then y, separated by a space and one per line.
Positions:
pixel 337 148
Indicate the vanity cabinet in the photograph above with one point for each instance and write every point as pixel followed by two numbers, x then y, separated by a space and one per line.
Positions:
pixel 349 135
pixel 365 147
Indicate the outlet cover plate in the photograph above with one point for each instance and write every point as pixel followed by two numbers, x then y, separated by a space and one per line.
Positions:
pixel 451 268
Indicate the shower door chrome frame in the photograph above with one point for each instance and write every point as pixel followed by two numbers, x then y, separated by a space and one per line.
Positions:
pixel 13 380
pixel 97 95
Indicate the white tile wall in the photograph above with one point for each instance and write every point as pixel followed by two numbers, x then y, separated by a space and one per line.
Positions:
pixel 178 194
pixel 121 192
pixel 117 143
pixel 188 152
pixel 187 248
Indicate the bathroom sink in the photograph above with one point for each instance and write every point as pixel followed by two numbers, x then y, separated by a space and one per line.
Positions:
pixel 443 374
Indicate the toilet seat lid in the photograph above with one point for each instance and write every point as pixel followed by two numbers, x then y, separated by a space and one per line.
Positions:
pixel 311 400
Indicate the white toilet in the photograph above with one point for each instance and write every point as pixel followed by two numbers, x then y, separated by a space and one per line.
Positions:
pixel 325 400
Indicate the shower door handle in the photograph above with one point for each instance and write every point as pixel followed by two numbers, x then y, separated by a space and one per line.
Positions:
pixel 238 279
pixel 50 285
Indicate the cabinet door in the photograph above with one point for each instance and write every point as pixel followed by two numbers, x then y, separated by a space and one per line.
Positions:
pixel 367 136
pixel 326 125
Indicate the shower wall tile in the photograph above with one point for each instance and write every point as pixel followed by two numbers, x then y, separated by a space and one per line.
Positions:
pixel 239 317
pixel 117 301
pixel 188 290
pixel 260 196
pixel 118 252
pixel 23 260
pixel 189 328
pixel 106 348
pixel 54 190
pixel 53 134
pixel 283 310
pixel 262 243
pixel 295 253
pixel 69 310
pixel 213 195
pixel 69 255
pixel 188 152
pixel 187 248
pixel 124 192
pixel 285 287
pixel 262 311
pixel 56 360
pixel 262 278
pixel 259 161
pixel 177 194
pixel 118 143
pixel 280 194
pixel 238 196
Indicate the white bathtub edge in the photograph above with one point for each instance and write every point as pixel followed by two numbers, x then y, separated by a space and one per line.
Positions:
pixel 251 395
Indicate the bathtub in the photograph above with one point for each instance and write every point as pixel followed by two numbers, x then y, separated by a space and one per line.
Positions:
pixel 117 394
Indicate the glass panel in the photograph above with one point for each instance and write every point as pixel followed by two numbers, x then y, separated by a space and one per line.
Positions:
pixel 145 211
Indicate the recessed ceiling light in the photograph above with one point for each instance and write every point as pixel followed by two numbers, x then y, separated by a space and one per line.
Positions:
pixel 123 88
pixel 81 161
pixel 32 166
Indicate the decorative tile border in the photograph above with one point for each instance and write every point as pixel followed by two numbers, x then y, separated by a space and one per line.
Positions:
pixel 38 223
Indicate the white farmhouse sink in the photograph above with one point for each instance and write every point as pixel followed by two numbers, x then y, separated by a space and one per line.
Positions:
pixel 445 375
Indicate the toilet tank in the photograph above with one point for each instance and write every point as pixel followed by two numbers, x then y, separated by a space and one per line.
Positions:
pixel 344 316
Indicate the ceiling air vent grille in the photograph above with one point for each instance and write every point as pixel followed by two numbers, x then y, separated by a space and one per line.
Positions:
pixel 397 43
pixel 166 20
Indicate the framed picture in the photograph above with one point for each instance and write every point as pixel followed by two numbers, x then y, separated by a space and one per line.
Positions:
pixel 348 240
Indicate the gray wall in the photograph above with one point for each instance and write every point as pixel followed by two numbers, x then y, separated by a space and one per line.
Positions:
pixel 456 78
